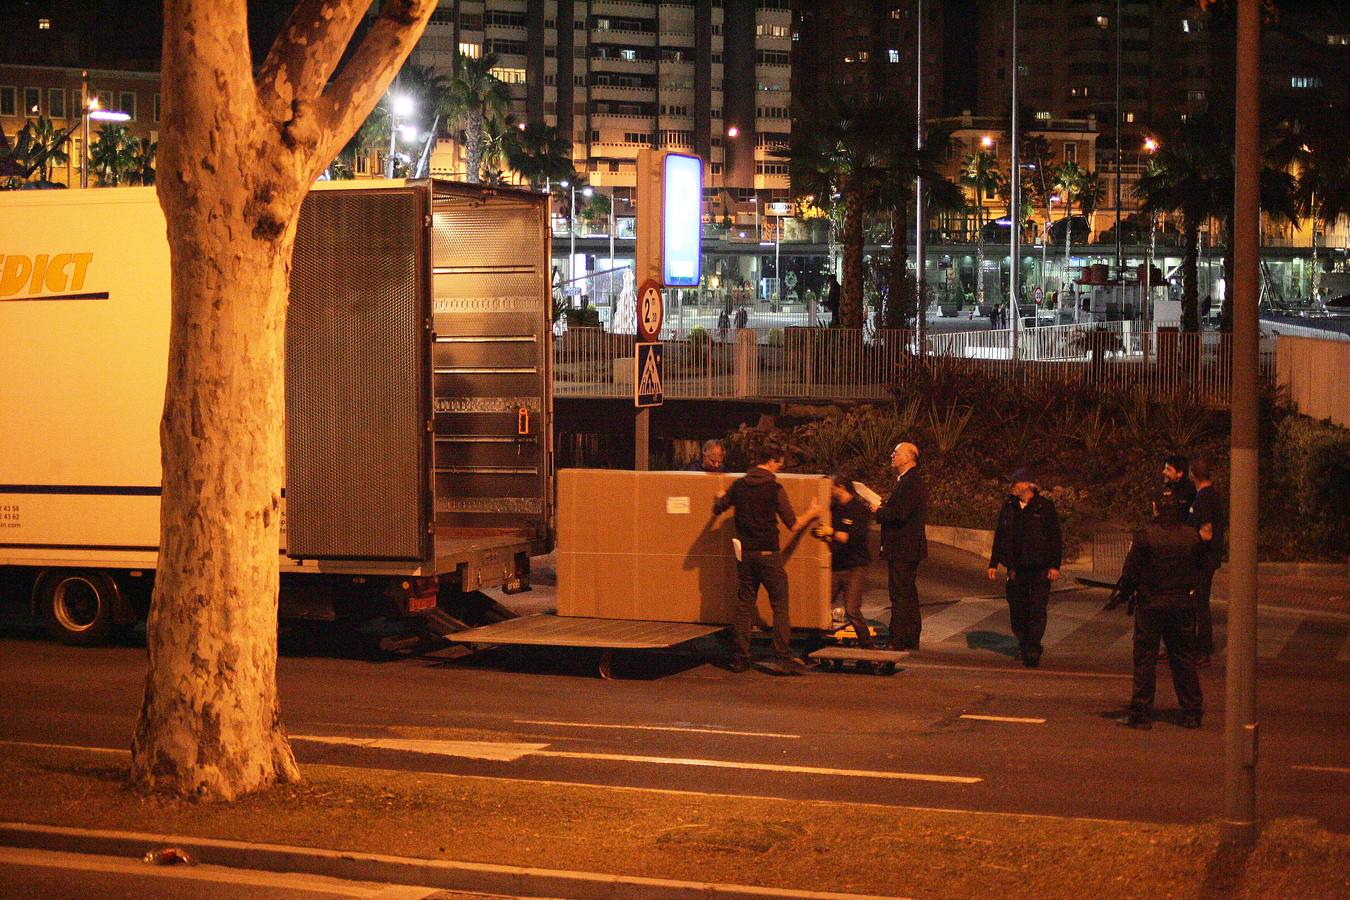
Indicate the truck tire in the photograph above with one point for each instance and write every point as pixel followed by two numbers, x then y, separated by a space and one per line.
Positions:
pixel 77 607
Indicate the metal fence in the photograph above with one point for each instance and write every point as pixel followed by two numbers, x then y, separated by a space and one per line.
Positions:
pixel 850 364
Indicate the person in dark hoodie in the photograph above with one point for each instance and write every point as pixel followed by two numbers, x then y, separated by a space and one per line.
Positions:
pixel 761 502
pixel 850 518
pixel 1028 544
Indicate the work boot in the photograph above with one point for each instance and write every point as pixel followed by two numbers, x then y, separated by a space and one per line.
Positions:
pixel 1137 721
pixel 1031 658
pixel 738 665
pixel 1191 720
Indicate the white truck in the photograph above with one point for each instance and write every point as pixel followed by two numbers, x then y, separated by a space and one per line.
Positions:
pixel 419 457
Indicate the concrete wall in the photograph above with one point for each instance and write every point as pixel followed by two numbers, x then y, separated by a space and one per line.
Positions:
pixel 1316 372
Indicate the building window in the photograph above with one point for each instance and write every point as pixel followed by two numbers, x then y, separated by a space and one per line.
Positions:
pixel 471 50
pixel 637 137
pixel 1339 40
pixel 1070 153
pixel 499 46
pixel 1195 96
pixel 614 167
pixel 1103 22
pixel 1044 115
pixel 471 21
pixel 509 75
pixel 104 99
pixel 893 55
pixel 56 103
pixel 44 24
pixel 1305 82
pixel 771 168
pixel 9 101
pixel 772 58
pixel 766 30
pixel 32 101
pixel 505 19
pixel 127 103
pixel 1129 117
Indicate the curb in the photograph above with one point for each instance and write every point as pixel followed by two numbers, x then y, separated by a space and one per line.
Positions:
pixel 434 873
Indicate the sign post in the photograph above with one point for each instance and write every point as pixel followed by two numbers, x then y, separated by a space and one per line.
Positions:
pixel 669 253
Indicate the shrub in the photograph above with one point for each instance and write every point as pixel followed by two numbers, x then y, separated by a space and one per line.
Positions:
pixel 1311 468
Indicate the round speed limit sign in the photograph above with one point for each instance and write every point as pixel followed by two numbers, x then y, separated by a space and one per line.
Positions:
pixel 650 311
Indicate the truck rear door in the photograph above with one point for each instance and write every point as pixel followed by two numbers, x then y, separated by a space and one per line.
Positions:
pixel 492 361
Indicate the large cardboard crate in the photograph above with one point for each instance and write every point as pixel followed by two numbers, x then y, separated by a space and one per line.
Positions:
pixel 645 546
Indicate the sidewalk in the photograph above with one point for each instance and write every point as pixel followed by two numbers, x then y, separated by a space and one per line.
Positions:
pixel 533 839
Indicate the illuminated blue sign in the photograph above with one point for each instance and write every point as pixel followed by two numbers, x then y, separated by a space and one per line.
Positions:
pixel 682 204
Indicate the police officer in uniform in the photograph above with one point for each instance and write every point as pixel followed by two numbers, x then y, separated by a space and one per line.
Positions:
pixel 761 502
pixel 850 517
pixel 1161 572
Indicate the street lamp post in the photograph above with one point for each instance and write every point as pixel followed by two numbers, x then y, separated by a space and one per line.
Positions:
pixel 1014 204
pixel 400 107
pixel 89 109
pixel 1150 146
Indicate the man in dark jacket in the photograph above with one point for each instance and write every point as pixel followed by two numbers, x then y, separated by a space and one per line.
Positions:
pixel 1027 543
pixel 761 502
pixel 1159 575
pixel 1175 479
pixel 846 534
pixel 1207 518
pixel 904 545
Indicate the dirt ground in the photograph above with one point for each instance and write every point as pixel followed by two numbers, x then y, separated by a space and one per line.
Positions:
pixel 777 843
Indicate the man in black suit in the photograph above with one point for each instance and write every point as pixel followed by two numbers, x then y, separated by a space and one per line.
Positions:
pixel 1028 543
pixel 904 545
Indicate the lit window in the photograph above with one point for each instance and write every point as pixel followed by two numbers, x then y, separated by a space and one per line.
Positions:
pixel 1103 22
pixel 1303 82
pixel 1129 117
pixel 1195 96
pixel 472 51
pixel 894 55
pixel 44 24
pixel 508 75
pixel 1044 115
pixel 1339 40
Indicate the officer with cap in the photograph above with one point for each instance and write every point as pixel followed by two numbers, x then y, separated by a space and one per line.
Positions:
pixel 1160 573
pixel 1028 543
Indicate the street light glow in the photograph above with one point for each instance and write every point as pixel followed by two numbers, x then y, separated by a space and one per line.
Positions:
pixel 1150 145
pixel 408 133
pixel 587 192
pixel 109 115
pixel 733 131
pixel 986 142
pixel 403 105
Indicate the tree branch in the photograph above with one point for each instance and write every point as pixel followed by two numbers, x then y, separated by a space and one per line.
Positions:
pixel 306 53
pixel 347 102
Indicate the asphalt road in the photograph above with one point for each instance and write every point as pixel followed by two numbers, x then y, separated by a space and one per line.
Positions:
pixel 961 726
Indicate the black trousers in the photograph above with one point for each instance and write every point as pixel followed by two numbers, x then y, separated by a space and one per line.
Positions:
pixel 1204 620
pixel 846 587
pixel 758 568
pixel 1028 592
pixel 905 619
pixel 1172 620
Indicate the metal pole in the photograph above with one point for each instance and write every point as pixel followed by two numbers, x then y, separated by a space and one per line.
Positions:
pixel 84 136
pixel 777 257
pixel 572 237
pixel 920 264
pixel 613 198
pixel 1014 206
pixel 1120 253
pixel 1238 823
pixel 641 430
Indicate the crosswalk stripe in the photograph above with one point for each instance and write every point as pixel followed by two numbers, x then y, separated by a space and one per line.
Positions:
pixel 957 618
pixel 1066 617
pixel 1272 635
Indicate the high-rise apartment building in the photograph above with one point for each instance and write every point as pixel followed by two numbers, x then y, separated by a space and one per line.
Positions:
pixel 710 77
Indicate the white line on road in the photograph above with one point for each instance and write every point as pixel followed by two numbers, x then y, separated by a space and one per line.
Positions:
pixel 761 767
pixel 1272 636
pixel 1016 719
pixel 768 734
pixel 1067 616
pixel 957 617
pixel 493 750
pixel 39 746
pixel 1338 769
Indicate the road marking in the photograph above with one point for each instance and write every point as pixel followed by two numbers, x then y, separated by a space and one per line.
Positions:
pixel 491 750
pixel 768 734
pixel 1017 719
pixel 1066 617
pixel 1338 769
pixel 956 618
pixel 1272 636
pixel 913 663
pixel 760 767
pixel 39 746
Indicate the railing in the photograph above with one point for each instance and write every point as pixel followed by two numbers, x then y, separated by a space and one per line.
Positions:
pixel 838 364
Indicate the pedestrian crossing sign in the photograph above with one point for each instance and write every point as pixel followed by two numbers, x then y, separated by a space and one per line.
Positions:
pixel 647 375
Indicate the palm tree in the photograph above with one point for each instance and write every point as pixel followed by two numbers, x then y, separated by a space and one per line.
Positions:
pixel 476 96
pixel 842 163
pixel 539 154
pixel 1312 140
pixel 1072 179
pixel 905 163
pixel 1035 149
pixel 143 161
pixel 37 149
pixel 112 155
pixel 979 171
pixel 1192 174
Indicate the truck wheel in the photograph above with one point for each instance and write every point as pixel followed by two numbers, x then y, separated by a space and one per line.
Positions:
pixel 78 607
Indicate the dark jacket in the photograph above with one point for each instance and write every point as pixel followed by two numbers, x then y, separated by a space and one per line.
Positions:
pixel 1183 489
pixel 1027 538
pixel 1207 509
pixel 853 518
pixel 760 503
pixel 902 519
pixel 1163 564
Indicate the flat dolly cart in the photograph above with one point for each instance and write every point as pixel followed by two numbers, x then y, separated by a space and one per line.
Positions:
pixel 605 635
pixel 836 656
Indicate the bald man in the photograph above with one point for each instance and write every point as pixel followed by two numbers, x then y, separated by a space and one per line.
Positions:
pixel 904 545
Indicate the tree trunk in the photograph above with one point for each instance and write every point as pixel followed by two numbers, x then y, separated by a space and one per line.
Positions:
pixel 851 297
pixel 1068 250
pixel 899 299
pixel 473 146
pixel 239 153
pixel 1190 304
pixel 979 252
